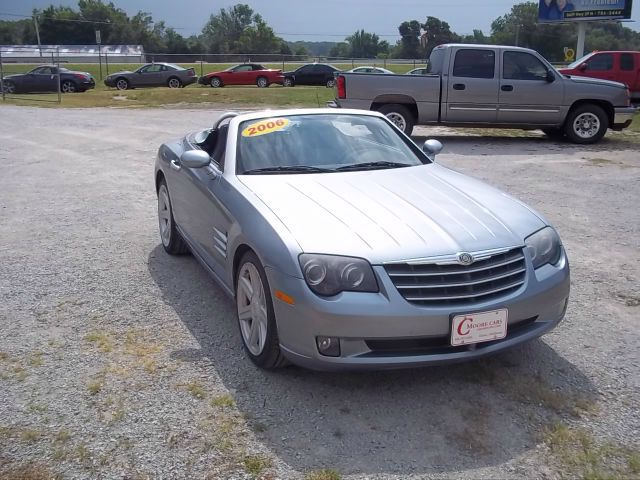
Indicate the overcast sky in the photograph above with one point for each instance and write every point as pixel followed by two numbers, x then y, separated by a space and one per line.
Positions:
pixel 313 19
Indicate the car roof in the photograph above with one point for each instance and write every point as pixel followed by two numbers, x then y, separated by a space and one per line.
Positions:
pixel 482 46
pixel 241 117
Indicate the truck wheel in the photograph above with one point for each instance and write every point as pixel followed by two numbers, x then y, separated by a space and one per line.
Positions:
pixel 586 124
pixel 400 116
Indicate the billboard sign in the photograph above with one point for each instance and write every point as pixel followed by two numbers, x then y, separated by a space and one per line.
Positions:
pixel 577 10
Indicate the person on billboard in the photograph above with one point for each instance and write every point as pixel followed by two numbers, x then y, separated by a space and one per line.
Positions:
pixel 554 9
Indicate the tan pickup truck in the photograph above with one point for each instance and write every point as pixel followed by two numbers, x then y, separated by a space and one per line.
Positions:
pixel 492 86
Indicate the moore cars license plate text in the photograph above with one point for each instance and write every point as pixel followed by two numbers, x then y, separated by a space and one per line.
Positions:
pixel 479 327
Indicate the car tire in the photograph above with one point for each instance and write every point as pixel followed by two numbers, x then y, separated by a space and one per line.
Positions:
pixel 174 82
pixel 331 83
pixel 586 124
pixel 287 82
pixel 554 133
pixel 68 86
pixel 262 82
pixel 122 84
pixel 400 116
pixel 256 317
pixel 215 82
pixel 169 235
pixel 9 87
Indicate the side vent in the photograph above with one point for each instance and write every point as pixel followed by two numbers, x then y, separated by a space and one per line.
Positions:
pixel 220 240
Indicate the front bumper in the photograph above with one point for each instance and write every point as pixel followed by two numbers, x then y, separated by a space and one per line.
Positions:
pixel 383 331
pixel 110 82
pixel 623 117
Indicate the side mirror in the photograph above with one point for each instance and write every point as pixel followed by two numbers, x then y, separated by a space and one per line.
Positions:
pixel 432 148
pixel 550 76
pixel 195 159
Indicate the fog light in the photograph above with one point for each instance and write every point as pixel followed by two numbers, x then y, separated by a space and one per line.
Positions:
pixel 328 346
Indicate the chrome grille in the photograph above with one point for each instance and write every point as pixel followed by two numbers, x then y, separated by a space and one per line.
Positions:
pixel 444 285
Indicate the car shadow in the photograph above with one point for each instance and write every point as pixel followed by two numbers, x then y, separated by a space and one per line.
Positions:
pixel 419 421
pixel 523 143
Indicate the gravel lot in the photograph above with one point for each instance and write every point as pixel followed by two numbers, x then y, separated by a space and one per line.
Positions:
pixel 118 361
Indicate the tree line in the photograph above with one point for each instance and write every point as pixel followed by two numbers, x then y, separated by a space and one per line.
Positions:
pixel 240 30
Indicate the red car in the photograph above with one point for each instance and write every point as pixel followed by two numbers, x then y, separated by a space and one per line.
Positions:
pixel 623 67
pixel 244 74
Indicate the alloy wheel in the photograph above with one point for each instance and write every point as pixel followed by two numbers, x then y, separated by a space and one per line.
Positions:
pixel 164 216
pixel 586 125
pixel 122 84
pixel 68 87
pixel 398 120
pixel 252 308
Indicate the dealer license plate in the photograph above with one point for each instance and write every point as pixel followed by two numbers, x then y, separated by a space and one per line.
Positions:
pixel 479 327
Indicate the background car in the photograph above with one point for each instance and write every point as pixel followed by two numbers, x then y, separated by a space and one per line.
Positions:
pixel 368 69
pixel 312 74
pixel 619 66
pixel 153 75
pixel 243 74
pixel 43 79
pixel 418 71
pixel 346 246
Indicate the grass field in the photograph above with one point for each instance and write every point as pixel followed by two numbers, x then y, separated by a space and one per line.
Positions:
pixel 103 96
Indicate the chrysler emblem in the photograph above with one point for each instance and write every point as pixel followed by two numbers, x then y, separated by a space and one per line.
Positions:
pixel 465 258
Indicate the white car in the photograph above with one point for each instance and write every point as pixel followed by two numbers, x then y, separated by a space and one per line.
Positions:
pixel 418 71
pixel 369 70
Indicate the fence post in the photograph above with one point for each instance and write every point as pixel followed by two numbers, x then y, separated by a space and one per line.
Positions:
pixel 201 62
pixel 1 77
pixel 353 65
pixel 106 62
pixel 57 63
pixel 414 63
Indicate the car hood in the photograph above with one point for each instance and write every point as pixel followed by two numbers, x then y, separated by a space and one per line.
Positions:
pixel 124 72
pixel 395 214
pixel 594 81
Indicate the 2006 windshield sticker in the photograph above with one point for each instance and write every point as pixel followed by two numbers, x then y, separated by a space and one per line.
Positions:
pixel 264 127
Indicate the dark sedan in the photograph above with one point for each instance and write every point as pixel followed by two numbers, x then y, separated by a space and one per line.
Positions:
pixel 153 75
pixel 44 78
pixel 312 74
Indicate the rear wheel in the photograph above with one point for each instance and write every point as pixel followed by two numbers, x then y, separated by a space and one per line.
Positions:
pixel 215 82
pixel 331 83
pixel 68 87
pixel 171 239
pixel 174 82
pixel 122 84
pixel 256 316
pixel 400 116
pixel 586 124
pixel 262 82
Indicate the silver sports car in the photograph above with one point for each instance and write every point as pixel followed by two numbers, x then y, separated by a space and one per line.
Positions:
pixel 346 246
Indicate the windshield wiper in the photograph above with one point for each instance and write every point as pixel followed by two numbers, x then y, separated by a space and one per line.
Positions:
pixel 288 169
pixel 372 166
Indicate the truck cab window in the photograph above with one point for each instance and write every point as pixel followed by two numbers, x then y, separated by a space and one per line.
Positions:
pixel 474 63
pixel 626 62
pixel 600 63
pixel 523 66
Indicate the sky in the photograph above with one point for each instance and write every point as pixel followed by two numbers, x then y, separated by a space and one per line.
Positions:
pixel 313 20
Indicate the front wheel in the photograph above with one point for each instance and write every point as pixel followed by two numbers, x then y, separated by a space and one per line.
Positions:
pixel 262 82
pixel 122 84
pixel 400 116
pixel 174 83
pixel 287 82
pixel 9 87
pixel 171 239
pixel 256 316
pixel 215 82
pixel 586 124
pixel 68 87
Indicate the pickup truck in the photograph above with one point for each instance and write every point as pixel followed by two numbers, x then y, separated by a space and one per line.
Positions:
pixel 491 86
pixel 619 66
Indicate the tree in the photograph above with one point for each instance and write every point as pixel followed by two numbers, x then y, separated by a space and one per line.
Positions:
pixel 437 32
pixel 222 32
pixel 409 45
pixel 340 50
pixel 258 38
pixel 365 45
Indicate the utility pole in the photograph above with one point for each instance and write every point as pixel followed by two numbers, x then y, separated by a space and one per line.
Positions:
pixel 35 23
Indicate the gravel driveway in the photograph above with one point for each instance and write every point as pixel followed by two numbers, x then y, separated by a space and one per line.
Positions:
pixel 118 361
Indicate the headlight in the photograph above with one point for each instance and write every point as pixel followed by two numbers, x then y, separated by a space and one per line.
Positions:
pixel 329 275
pixel 544 247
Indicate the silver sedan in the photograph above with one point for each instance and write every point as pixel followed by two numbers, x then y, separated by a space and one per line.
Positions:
pixel 346 246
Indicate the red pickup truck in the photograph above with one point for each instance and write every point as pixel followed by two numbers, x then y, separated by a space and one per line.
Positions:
pixel 623 67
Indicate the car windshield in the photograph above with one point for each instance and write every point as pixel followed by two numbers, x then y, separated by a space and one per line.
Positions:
pixel 322 143
pixel 579 61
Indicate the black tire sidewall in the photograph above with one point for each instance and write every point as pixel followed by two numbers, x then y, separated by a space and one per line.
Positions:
pixel 597 111
pixel 270 354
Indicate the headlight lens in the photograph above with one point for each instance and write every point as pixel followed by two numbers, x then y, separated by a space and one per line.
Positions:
pixel 328 275
pixel 544 247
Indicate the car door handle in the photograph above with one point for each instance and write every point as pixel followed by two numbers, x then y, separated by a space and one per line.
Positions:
pixel 174 165
pixel 507 88
pixel 459 86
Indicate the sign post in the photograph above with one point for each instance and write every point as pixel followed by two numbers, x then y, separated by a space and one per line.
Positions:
pixel 98 41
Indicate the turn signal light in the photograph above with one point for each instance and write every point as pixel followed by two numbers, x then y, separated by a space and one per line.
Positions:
pixel 284 297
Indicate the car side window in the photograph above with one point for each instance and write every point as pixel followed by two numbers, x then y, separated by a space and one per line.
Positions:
pixel 243 68
pixel 41 71
pixel 257 67
pixel 600 63
pixel 474 63
pixel 523 66
pixel 305 69
pixel 154 69
pixel 626 62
